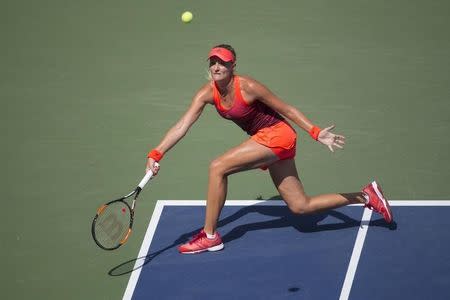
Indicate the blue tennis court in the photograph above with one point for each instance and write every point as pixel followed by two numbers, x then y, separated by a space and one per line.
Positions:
pixel 347 253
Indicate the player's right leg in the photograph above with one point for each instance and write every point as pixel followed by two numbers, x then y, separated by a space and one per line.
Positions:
pixel 246 156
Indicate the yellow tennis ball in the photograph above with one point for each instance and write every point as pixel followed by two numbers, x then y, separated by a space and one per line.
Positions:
pixel 186 17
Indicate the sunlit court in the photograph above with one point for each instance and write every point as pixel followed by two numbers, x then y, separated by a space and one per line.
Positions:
pixel 128 125
pixel 346 253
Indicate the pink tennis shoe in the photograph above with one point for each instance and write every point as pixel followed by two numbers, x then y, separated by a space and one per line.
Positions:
pixel 377 201
pixel 200 243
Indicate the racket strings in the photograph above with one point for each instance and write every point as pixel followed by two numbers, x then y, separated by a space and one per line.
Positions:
pixel 112 225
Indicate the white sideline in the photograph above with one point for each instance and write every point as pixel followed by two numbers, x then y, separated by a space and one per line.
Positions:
pixel 357 249
pixel 144 250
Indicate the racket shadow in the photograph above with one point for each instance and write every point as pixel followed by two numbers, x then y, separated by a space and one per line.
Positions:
pixel 282 217
pixel 137 263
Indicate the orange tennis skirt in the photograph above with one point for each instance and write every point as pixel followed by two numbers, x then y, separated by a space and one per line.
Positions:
pixel 281 138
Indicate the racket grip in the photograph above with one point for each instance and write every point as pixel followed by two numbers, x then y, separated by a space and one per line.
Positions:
pixel 147 177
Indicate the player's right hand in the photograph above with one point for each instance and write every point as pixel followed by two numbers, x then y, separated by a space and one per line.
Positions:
pixel 152 165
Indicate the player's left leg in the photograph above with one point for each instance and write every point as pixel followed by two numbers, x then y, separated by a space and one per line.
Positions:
pixel 285 177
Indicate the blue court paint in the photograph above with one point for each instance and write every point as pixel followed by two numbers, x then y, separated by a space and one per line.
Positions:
pixel 411 262
pixel 269 254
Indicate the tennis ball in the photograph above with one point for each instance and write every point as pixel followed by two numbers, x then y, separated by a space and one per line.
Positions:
pixel 186 17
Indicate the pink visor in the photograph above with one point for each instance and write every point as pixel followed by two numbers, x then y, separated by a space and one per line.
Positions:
pixel 222 53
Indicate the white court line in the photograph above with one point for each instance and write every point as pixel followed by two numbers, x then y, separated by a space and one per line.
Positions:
pixel 281 203
pixel 419 202
pixel 143 252
pixel 357 248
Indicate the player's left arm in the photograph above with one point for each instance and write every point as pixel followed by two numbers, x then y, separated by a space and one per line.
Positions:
pixel 256 91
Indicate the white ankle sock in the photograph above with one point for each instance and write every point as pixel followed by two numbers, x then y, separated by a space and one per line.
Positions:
pixel 366 198
pixel 211 236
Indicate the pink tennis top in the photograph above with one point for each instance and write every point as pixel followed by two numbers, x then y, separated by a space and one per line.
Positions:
pixel 250 118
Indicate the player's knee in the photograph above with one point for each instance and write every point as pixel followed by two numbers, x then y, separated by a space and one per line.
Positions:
pixel 217 167
pixel 299 207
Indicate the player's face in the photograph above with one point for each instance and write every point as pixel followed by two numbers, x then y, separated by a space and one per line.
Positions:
pixel 220 69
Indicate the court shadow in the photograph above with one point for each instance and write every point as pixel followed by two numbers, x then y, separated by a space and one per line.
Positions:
pixel 282 217
pixel 381 223
pixel 137 263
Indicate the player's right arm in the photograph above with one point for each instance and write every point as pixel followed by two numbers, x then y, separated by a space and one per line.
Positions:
pixel 178 131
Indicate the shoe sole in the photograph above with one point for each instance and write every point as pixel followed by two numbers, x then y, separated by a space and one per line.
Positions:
pixel 385 202
pixel 211 249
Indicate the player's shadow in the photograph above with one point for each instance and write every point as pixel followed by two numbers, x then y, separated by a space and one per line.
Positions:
pixel 302 223
pixel 282 217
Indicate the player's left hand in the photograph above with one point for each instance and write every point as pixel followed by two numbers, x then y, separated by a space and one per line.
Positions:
pixel 330 139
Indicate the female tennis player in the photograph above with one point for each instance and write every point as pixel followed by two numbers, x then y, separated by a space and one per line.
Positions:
pixel 272 145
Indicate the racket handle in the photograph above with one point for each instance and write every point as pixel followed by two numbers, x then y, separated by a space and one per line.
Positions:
pixel 147 177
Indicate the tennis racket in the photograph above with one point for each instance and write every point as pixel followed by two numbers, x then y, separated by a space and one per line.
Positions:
pixel 112 225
